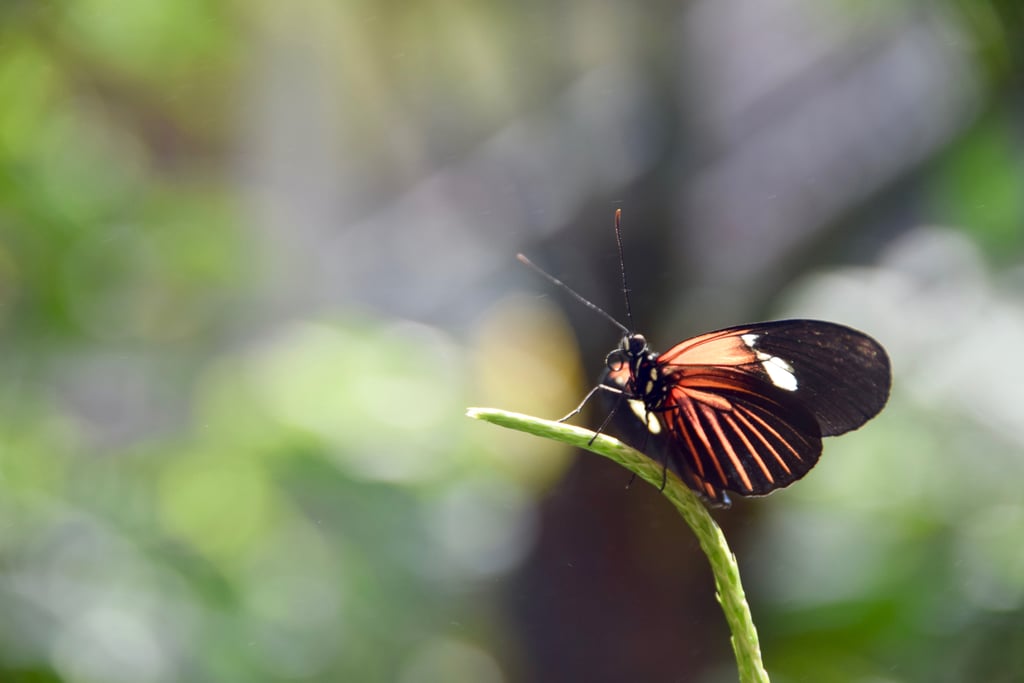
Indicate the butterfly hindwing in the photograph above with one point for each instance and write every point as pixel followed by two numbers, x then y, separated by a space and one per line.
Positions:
pixel 728 431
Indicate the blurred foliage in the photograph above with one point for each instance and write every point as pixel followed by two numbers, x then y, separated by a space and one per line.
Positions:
pixel 979 184
pixel 113 228
pixel 259 534
pixel 900 556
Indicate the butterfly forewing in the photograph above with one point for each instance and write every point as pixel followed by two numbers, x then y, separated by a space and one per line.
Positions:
pixel 840 375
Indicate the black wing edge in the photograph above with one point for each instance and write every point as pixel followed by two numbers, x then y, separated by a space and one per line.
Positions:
pixel 843 375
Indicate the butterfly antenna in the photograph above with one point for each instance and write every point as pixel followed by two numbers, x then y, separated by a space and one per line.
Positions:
pixel 622 264
pixel 558 283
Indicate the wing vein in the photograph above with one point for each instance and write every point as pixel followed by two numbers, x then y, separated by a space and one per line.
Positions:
pixel 712 418
pixel 750 448
pixel 758 433
pixel 698 429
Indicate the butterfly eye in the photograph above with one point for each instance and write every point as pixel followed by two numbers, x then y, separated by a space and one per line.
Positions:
pixel 617 360
pixel 636 344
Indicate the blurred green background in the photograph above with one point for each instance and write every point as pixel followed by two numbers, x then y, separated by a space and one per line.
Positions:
pixel 257 258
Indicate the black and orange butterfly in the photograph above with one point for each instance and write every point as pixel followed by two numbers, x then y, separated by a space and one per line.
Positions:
pixel 743 409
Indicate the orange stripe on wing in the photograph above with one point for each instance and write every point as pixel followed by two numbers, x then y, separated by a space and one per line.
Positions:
pixel 771 449
pixel 716 401
pixel 750 449
pixel 714 348
pixel 712 417
pixel 687 407
pixel 677 421
pixel 713 383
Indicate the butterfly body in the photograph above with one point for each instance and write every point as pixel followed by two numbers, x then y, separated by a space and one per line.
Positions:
pixel 744 409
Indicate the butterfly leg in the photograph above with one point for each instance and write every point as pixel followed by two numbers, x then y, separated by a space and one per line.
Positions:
pixel 611 413
pixel 599 387
pixel 661 459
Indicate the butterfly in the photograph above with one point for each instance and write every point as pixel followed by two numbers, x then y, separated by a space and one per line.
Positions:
pixel 743 409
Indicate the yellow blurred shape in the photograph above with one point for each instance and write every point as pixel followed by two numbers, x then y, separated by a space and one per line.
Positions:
pixel 525 358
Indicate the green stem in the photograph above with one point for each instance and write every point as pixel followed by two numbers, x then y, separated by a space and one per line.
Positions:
pixel 712 541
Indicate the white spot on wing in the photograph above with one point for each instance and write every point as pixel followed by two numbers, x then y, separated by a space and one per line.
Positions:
pixel 779 371
pixel 638 408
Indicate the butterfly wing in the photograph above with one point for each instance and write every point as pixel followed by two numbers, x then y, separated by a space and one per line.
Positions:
pixel 724 430
pixel 841 376
pixel 744 408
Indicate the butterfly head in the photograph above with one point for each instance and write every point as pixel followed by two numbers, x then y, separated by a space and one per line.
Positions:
pixel 633 367
pixel 631 349
pixel 633 370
